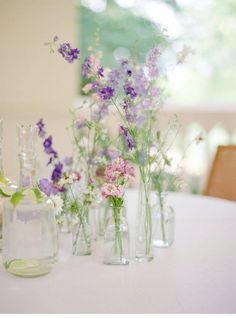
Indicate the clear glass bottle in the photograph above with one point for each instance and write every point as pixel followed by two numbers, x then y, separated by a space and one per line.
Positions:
pixel 144 226
pixel 65 225
pixel 104 212
pixel 116 239
pixel 30 242
pixel 82 234
pixel 7 186
pixel 164 220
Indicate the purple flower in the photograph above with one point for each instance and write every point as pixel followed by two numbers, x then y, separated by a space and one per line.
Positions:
pixel 86 66
pixel 47 144
pixel 40 124
pixel 95 85
pixel 128 138
pixel 114 78
pixel 101 111
pixel 127 108
pixel 68 53
pixel 100 72
pixel 46 186
pixel 129 90
pixel 129 72
pixel 106 93
pixel 68 161
pixel 152 59
pixel 57 172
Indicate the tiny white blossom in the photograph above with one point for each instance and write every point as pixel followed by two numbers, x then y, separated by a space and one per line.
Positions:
pixel 57 203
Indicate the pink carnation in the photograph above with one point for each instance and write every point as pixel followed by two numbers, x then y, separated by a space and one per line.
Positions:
pixel 110 189
pixel 118 168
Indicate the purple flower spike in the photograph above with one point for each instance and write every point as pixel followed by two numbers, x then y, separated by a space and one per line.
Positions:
pixel 106 93
pixel 86 66
pixel 100 72
pixel 129 90
pixel 47 143
pixel 128 138
pixel 40 124
pixel 57 172
pixel 68 53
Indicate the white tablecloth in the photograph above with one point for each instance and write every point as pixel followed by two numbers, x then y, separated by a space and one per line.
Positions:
pixel 197 274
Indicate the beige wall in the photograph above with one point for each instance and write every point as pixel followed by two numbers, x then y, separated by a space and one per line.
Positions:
pixel 33 82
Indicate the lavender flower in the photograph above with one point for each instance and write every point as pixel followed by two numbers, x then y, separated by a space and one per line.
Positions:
pixel 68 161
pixel 40 124
pixel 114 78
pixel 57 172
pixel 129 72
pixel 100 72
pixel 47 144
pixel 86 66
pixel 128 138
pixel 95 85
pixel 45 186
pixel 68 53
pixel 127 108
pixel 106 93
pixel 129 90
pixel 152 58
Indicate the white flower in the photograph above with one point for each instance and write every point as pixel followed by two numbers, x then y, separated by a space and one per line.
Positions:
pixel 57 203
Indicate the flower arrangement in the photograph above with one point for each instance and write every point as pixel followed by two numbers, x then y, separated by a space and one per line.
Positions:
pixel 133 93
pixel 117 175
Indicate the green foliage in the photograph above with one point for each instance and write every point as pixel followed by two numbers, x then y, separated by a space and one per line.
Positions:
pixel 16 198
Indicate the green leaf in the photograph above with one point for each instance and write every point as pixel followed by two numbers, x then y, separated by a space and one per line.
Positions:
pixel 3 179
pixel 16 198
pixel 37 193
pixel 2 194
pixel 158 135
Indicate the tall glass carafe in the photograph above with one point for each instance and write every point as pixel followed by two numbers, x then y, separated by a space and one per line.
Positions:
pixel 30 241
pixel 7 187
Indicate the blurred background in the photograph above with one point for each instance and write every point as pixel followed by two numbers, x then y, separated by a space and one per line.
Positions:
pixel 201 87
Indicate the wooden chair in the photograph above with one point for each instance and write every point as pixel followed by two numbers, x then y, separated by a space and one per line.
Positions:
pixel 222 179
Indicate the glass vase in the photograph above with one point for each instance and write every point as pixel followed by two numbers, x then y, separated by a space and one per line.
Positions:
pixel 65 224
pixel 164 220
pixel 144 226
pixel 6 185
pixel 82 234
pixel 116 239
pixel 30 242
pixel 104 212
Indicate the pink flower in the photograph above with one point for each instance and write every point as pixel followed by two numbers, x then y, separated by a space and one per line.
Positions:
pixel 119 168
pixel 81 121
pixel 87 88
pixel 112 190
pixel 95 97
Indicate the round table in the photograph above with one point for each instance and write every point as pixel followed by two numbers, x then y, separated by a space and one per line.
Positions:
pixel 197 274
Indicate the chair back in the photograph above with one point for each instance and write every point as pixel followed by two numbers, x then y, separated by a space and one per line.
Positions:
pixel 222 178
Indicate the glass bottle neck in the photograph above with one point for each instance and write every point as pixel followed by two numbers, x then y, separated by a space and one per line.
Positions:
pixel 27 170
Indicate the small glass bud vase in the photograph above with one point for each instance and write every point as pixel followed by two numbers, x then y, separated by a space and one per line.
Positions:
pixel 65 224
pixel 30 242
pixel 144 226
pixel 104 212
pixel 116 239
pixel 82 234
pixel 164 220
